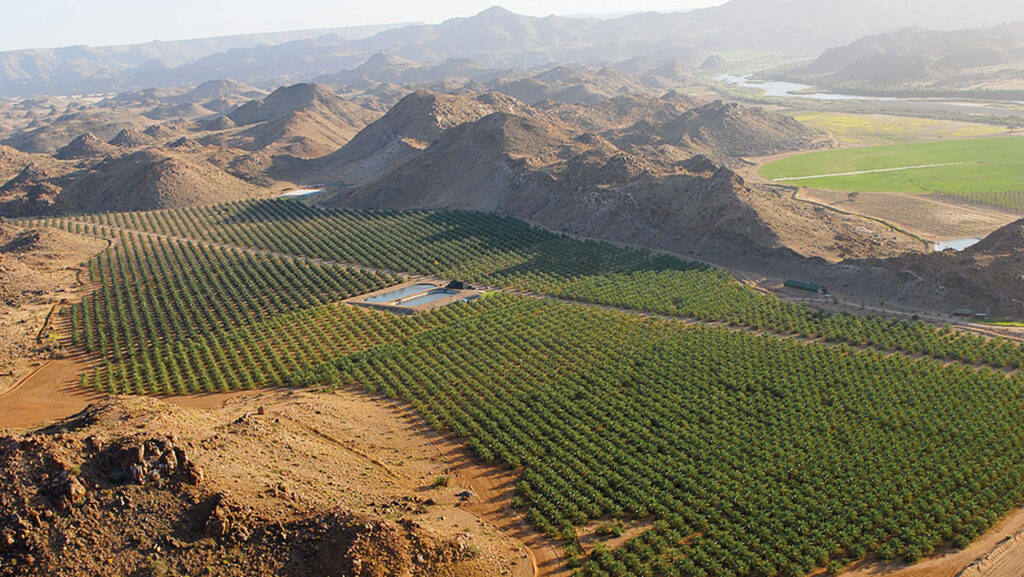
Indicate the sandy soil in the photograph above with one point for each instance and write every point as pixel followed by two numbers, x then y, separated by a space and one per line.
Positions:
pixel 50 392
pixel 344 448
pixel 493 487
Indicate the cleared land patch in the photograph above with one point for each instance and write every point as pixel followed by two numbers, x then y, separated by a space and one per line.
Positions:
pixel 930 217
pixel 988 170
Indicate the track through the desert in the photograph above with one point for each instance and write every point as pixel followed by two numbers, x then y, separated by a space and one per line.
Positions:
pixel 493 487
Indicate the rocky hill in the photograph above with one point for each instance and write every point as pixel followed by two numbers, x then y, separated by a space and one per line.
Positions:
pixel 12 161
pixel 569 84
pixel 409 127
pixel 193 489
pixel 726 130
pixel 492 153
pixel 219 90
pixel 572 84
pixel 85 146
pixel 388 69
pixel 985 278
pixel 131 138
pixel 305 120
pixel 58 129
pixel 147 180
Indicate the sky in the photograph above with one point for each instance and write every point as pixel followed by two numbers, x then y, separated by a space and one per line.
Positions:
pixel 53 23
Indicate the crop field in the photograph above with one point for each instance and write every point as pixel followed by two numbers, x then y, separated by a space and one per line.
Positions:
pixel 883 129
pixel 509 254
pixel 987 170
pixel 754 453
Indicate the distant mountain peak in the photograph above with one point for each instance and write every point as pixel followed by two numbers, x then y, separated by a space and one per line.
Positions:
pixel 382 61
pixel 497 12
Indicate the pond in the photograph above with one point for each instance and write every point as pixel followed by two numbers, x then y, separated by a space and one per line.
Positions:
pixel 301 193
pixel 957 245
pixel 430 297
pixel 400 293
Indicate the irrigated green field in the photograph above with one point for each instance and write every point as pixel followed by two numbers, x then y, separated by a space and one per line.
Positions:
pixel 988 170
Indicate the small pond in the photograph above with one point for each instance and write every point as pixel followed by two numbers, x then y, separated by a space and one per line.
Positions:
pixel 430 297
pixel 400 293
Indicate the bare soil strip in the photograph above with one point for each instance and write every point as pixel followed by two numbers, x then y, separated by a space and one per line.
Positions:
pixel 343 445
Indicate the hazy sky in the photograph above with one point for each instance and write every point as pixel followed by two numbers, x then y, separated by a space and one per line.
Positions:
pixel 51 23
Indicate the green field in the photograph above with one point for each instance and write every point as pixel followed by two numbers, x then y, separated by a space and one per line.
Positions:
pixel 480 248
pixel 987 170
pixel 884 129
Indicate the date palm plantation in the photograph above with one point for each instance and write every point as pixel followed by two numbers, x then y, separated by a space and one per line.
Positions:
pixel 514 293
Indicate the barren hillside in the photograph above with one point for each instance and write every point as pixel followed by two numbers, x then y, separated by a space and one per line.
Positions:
pixel 644 184
pixel 305 120
pixel 47 134
pixel 36 271
pixel 985 278
pixel 148 180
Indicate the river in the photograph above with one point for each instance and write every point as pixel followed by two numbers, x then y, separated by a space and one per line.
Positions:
pixel 779 89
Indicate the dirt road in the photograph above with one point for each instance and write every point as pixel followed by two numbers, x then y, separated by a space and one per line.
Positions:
pixel 877 170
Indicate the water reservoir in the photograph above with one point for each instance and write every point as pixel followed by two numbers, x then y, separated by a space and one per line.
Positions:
pixel 400 293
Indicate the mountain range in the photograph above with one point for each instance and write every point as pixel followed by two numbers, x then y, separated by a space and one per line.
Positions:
pixel 988 59
pixel 495 38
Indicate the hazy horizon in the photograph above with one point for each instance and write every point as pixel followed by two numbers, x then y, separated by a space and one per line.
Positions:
pixel 55 24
